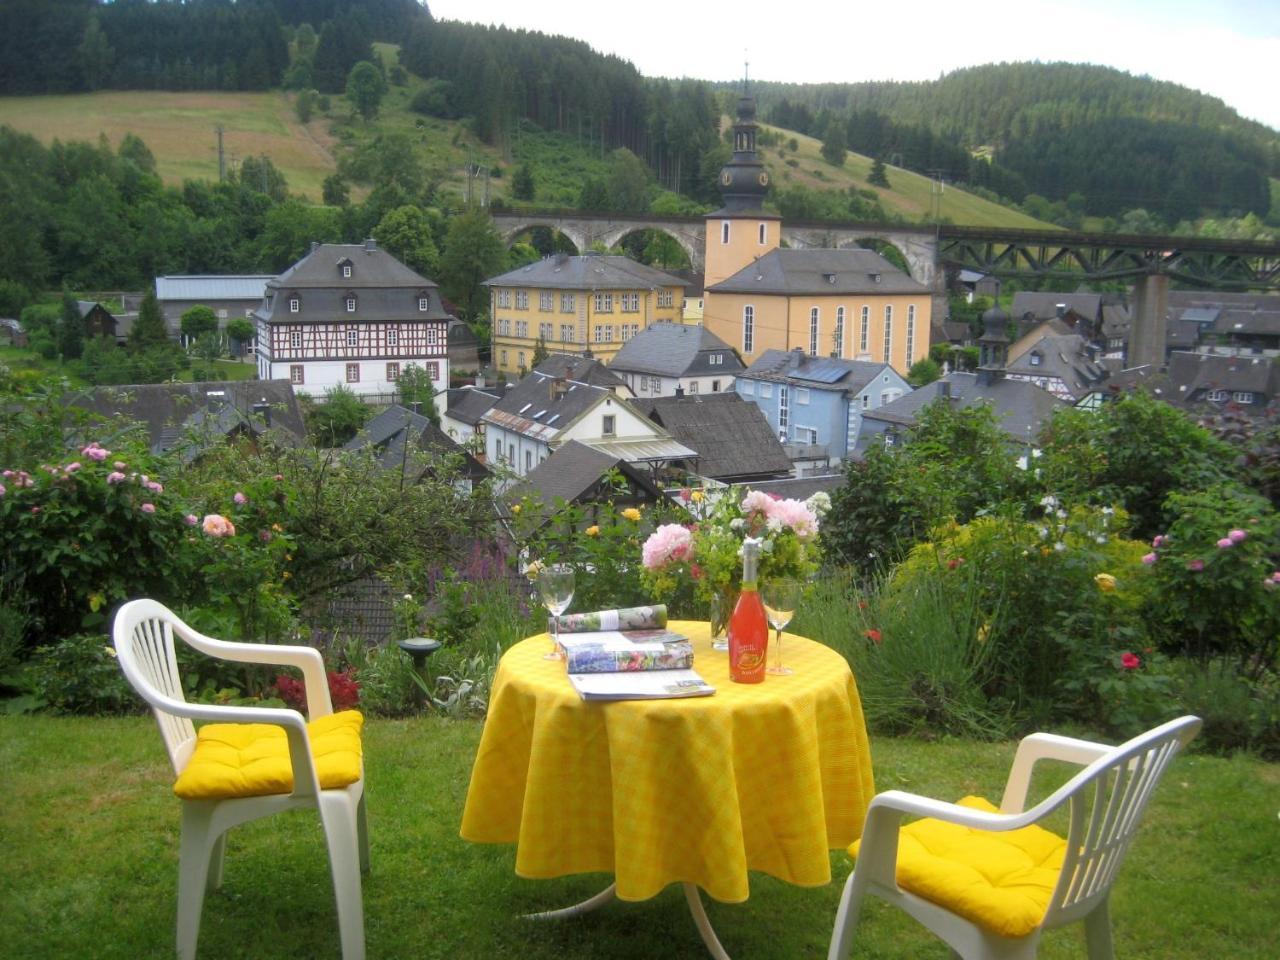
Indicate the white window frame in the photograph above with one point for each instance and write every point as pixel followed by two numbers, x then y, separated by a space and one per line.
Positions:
pixel 865 335
pixel 802 395
pixel 350 368
pixel 784 410
pixel 393 372
pixel 567 303
pixel 424 304
pixel 353 338
pixel 815 325
pixel 608 425
pixel 566 332
pixel 295 339
pixel 748 328
pixel 888 331
pixel 393 337
pixel 1242 396
pixel 546 301
pixel 351 304
pixel 604 302
pixel 522 299
pixel 839 337
pixel 911 331
pixel 295 304
pixel 746 387
pixel 766 390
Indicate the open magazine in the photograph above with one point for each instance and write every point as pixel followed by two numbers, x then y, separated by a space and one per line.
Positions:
pixel 608 651
pixel 640 685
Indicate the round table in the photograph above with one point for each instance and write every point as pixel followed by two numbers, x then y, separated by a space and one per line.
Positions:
pixel 699 790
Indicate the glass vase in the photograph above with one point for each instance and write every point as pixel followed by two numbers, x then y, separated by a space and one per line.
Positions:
pixel 720 610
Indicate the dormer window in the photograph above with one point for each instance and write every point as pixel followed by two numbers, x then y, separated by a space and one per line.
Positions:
pixel 424 304
pixel 346 270
pixel 294 304
pixel 351 304
pixel 1035 359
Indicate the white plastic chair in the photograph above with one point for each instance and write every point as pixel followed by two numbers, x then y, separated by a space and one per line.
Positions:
pixel 143 634
pixel 1105 801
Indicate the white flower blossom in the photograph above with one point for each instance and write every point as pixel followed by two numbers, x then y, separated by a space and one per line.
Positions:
pixel 1048 501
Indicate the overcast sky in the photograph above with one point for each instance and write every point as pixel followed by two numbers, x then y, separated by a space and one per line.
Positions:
pixel 1227 48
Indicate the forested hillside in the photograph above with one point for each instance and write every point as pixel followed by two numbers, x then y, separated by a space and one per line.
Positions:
pixel 1113 140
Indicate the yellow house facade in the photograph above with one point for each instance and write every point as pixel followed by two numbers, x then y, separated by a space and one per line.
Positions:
pixel 592 303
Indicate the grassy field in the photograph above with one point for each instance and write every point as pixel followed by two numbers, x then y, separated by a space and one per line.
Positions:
pixel 90 863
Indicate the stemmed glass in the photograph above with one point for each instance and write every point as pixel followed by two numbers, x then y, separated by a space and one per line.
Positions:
pixel 781 597
pixel 555 587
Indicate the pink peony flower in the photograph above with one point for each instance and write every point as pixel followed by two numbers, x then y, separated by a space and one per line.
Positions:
pixel 72 467
pixel 1276 576
pixel 154 487
pixel 757 502
pixel 1130 661
pixel 35 509
pixel 216 525
pixel 115 476
pixel 1158 540
pixel 1226 542
pixel 796 515
pixel 190 519
pixel 148 508
pixel 119 464
pixel 1237 536
pixel 1149 558
pixel 95 452
pixel 2 490
pixel 7 474
pixel 1195 566
pixel 669 542
pixel 240 498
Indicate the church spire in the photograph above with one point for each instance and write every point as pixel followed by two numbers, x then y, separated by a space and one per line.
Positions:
pixel 744 180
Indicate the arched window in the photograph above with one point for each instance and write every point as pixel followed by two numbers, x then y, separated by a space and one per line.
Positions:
pixel 814 323
pixel 888 330
pixel 839 334
pixel 748 329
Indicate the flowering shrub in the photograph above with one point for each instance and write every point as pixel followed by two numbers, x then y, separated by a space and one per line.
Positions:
pixel 707 551
pixel 1216 568
pixel 344 691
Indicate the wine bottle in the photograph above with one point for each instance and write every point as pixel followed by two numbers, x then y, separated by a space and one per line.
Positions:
pixel 748 626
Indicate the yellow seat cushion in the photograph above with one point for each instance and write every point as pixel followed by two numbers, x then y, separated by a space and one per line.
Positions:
pixel 1000 881
pixel 252 759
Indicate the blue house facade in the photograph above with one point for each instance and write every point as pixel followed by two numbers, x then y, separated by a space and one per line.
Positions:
pixel 816 404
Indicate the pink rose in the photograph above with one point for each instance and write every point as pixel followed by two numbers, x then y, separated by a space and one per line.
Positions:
pixel 148 508
pixel 1226 542
pixel 1130 661
pixel 1195 566
pixel 1149 559
pixel 1158 541
pixel 115 477
pixel 669 542
pixel 216 525
pixel 1237 536
pixel 240 498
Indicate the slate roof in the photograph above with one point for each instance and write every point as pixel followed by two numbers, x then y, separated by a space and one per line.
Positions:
pixel 1064 357
pixel 1018 404
pixel 676 350
pixel 1248 323
pixel 1116 321
pixel 796 488
pixel 817 373
pixel 732 437
pixel 1044 306
pixel 532 408
pixel 245 286
pixel 1192 375
pixel 819 273
pixel 582 369
pixel 384 288
pixel 468 404
pixel 573 472
pixel 1181 299
pixel 172 412
pixel 389 432
pixel 592 271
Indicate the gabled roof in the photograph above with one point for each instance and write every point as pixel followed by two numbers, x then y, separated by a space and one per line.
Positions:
pixel 190 416
pixel 676 350
pixel 243 286
pixel 1044 306
pixel 582 369
pixel 819 373
pixel 372 267
pixel 731 435
pixel 1021 408
pixel 540 406
pixel 1064 357
pixel 390 432
pixel 86 307
pixel 573 474
pixel 820 273
pixel 1191 375
pixel 590 272
pixel 468 404
pixel 1265 323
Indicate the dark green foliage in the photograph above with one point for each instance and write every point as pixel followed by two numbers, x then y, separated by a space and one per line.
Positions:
pixel 304 104
pixel 802 203
pixel 343 43
pixel 149 329
pixel 435 99
pixel 337 418
pixel 876 515
pixel 335 191
pixel 260 174
pixel 13 298
pixel 834 148
pixel 522 184
pixel 878 177
pixel 923 372
pixel 70 335
pixel 196 321
pixel 365 89
pixel 405 232
pixel 415 387
pixel 473 253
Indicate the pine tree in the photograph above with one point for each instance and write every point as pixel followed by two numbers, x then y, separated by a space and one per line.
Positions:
pixel 833 144
pixel 70 328
pixel 522 185
pixel 149 329
pixel 878 177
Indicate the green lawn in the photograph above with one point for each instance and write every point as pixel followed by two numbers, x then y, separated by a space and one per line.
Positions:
pixel 90 863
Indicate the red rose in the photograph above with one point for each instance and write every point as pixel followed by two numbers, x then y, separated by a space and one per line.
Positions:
pixel 1130 661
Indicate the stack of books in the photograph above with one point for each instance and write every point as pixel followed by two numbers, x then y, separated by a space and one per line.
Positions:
pixel 649 662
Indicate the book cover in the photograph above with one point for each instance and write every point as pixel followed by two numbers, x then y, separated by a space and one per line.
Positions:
pixel 641 685
pixel 651 617
pixel 626 651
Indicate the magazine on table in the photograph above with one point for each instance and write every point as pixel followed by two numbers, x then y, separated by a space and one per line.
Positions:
pixel 640 685
pixel 608 651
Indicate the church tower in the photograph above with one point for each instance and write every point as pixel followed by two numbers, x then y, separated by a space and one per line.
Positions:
pixel 741 230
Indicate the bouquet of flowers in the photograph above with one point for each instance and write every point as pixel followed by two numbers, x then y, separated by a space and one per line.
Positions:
pixel 708 549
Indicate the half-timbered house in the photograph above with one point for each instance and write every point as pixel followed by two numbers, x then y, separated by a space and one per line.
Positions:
pixel 351 315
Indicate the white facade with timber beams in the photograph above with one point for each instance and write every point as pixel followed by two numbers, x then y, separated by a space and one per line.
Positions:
pixel 351 315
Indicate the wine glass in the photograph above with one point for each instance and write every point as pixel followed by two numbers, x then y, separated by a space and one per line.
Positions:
pixel 781 596
pixel 555 588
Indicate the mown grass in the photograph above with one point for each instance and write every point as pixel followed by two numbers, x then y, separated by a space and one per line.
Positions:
pixel 91 833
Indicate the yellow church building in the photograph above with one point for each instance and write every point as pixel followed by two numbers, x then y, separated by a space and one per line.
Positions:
pixel 759 296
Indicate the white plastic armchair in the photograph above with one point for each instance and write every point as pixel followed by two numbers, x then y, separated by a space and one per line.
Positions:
pixel 1104 804
pixel 143 633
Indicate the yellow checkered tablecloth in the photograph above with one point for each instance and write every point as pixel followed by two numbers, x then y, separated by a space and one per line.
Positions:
pixel 765 777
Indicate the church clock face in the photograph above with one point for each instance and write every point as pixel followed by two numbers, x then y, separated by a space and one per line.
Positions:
pixel 764 179
pixel 726 178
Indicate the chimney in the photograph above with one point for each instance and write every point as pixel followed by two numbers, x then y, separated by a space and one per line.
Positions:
pixel 370 245
pixel 263 409
pixel 558 388
pixel 679 390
